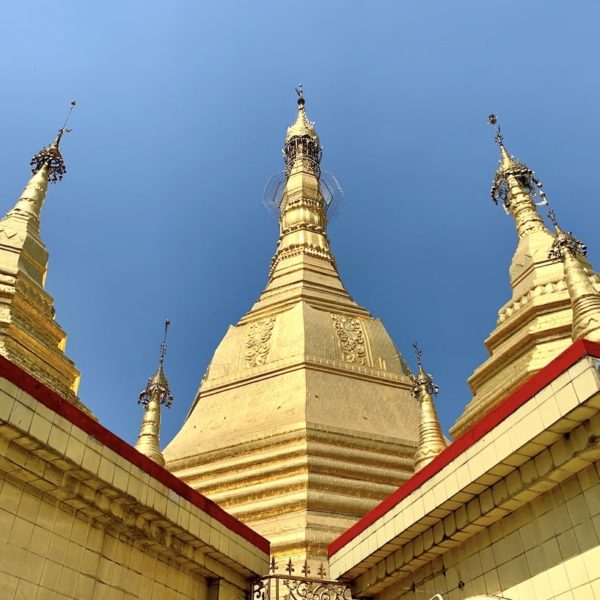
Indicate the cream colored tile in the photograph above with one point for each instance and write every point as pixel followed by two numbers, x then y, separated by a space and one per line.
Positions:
pixel 586 384
pixel 21 416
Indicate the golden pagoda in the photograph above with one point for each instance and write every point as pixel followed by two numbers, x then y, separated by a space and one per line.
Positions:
pixel 304 419
pixel 29 335
pixel 534 326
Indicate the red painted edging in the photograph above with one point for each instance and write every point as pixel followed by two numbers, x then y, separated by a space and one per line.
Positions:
pixel 532 386
pixel 70 412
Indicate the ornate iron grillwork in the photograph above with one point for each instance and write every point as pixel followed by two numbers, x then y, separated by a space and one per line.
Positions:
pixel 307 150
pixel 289 587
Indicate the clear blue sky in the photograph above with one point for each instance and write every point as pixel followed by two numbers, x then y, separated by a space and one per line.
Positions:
pixel 182 109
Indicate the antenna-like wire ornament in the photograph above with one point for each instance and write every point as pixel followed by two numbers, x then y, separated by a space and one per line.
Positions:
pixel 418 354
pixel 163 346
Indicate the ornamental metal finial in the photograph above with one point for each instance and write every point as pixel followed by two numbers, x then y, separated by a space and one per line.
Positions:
pixel 493 121
pixel 305 568
pixel 163 346
pixel 272 565
pixel 301 141
pixel 510 167
pixel 419 354
pixel 422 380
pixel 289 567
pixel 564 242
pixel 51 155
pixel 158 386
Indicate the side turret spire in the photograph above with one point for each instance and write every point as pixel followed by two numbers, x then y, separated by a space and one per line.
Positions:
pixel 29 335
pixel 516 186
pixel 431 439
pixel 155 393
pixel 585 300
pixel 47 166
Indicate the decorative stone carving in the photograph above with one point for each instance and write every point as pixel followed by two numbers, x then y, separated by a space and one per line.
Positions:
pixel 351 337
pixel 258 342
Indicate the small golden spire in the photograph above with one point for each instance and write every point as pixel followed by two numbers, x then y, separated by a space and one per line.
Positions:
pixel 585 300
pixel 156 392
pixel 46 166
pixel 431 439
pixel 516 185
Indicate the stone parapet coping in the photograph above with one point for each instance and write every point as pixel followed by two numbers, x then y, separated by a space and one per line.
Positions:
pixel 499 413
pixel 71 413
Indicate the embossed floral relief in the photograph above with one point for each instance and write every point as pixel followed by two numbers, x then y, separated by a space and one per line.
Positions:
pixel 351 339
pixel 258 342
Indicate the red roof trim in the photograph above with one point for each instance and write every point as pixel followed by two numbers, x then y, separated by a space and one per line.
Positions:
pixel 501 411
pixel 65 409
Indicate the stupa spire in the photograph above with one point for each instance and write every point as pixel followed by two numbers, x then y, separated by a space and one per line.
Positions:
pixel 155 393
pixel 585 300
pixel 47 166
pixel 29 335
pixel 431 438
pixel 516 186
pixel 303 220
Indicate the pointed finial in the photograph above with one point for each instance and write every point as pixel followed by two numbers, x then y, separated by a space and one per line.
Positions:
pixel 302 141
pixel 305 568
pixel 51 156
pixel 565 242
pixel 300 93
pixel 511 172
pixel 163 346
pixel 418 354
pixel 493 121
pixel 158 383
pixel 422 380
pixel 289 567
pixel 553 220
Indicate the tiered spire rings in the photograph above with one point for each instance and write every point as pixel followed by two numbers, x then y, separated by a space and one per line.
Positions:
pixel 155 393
pixel 303 220
pixel 431 439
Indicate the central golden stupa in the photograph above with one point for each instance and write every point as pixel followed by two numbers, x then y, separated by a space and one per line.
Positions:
pixel 304 419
